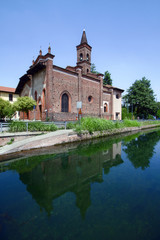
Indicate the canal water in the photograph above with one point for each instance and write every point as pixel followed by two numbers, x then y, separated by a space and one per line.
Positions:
pixel 102 189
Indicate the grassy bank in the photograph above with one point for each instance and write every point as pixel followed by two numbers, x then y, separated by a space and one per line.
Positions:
pixel 98 124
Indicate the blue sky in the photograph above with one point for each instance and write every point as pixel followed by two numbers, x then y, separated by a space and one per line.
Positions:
pixel 124 35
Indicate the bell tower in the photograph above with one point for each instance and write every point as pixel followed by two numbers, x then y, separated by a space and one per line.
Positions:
pixel 84 54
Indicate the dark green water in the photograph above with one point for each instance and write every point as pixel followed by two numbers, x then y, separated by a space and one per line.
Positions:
pixel 105 189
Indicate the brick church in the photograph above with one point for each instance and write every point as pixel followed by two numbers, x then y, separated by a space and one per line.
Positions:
pixel 57 90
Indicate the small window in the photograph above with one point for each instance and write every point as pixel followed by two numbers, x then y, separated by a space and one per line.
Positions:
pixel 87 57
pixel 90 99
pixel 81 57
pixel 10 97
pixel 105 107
pixel 87 70
pixel 117 116
pixel 117 96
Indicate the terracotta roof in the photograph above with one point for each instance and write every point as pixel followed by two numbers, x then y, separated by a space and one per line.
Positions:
pixel 7 89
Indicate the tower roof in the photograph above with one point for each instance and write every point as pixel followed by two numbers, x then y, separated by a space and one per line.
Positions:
pixel 84 38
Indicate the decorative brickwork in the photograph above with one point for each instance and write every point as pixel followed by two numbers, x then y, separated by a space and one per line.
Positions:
pixel 50 83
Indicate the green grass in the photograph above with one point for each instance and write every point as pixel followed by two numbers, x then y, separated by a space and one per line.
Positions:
pixel 91 125
pixel 150 122
pixel 32 127
pixel 11 141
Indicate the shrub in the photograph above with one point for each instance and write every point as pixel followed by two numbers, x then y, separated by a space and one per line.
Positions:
pixel 17 127
pixel 40 126
pixel 78 129
pixel 70 125
pixel 131 123
pixel 32 126
pixel 100 124
pixel 126 114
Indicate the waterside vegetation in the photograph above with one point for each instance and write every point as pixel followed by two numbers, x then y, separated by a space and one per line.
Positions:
pixel 19 126
pixel 86 125
pixel 92 125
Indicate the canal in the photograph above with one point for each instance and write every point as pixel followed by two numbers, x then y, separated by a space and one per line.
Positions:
pixel 102 189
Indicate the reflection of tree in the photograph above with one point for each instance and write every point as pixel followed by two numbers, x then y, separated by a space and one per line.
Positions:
pixel 118 160
pixel 140 150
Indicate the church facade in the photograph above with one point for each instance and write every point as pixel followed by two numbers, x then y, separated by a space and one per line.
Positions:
pixel 57 90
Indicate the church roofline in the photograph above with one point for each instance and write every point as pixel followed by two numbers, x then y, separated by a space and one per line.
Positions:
pixel 111 87
pixel 25 78
pixel 64 70
pixel 36 67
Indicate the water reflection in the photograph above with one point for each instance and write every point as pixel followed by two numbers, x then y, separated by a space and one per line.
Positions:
pixel 48 177
pixel 83 193
pixel 140 149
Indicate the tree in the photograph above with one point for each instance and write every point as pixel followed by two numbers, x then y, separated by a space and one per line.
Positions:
pixel 107 79
pixel 158 113
pixel 6 109
pixel 158 110
pixel 126 114
pixel 24 104
pixel 93 68
pixel 141 98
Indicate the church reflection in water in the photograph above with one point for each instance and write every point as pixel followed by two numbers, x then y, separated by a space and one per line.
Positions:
pixel 70 172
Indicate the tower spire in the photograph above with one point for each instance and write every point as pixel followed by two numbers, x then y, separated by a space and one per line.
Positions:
pixel 84 38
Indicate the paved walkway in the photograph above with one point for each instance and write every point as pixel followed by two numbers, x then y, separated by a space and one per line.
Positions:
pixel 41 140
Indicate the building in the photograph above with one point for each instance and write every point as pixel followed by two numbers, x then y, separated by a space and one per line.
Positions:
pixel 8 94
pixel 57 90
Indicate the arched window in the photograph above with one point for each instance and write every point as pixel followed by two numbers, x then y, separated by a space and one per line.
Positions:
pixel 117 96
pixel 64 103
pixel 87 70
pixel 35 96
pixel 87 57
pixel 105 107
pixel 81 57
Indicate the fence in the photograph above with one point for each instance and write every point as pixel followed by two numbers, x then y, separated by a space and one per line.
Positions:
pixel 4 126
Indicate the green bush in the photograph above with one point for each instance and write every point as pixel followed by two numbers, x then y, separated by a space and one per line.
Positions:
pixel 79 129
pixel 131 123
pixel 70 125
pixel 32 126
pixel 40 126
pixel 17 127
pixel 126 114
pixel 99 124
pixel 150 117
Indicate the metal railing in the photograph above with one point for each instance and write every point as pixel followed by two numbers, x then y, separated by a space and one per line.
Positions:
pixel 4 126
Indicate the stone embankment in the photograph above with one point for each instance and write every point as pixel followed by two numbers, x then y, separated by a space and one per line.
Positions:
pixel 28 141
